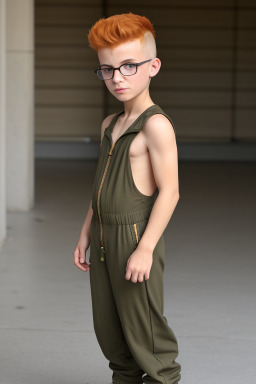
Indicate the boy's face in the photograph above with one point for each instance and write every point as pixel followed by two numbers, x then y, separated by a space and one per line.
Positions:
pixel 133 84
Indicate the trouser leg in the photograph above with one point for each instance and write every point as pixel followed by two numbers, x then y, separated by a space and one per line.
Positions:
pixel 106 320
pixel 151 341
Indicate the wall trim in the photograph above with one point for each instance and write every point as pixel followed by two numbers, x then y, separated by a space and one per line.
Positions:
pixel 186 151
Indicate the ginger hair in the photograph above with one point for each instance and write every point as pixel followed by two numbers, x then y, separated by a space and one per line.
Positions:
pixel 117 29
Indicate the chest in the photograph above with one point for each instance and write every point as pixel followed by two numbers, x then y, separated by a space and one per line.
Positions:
pixel 138 145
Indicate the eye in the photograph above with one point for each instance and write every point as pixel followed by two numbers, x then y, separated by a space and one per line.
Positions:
pixel 129 65
pixel 107 70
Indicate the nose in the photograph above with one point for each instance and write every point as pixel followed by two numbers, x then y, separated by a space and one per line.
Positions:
pixel 117 75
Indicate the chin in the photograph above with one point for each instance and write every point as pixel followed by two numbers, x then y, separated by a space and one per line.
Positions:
pixel 121 96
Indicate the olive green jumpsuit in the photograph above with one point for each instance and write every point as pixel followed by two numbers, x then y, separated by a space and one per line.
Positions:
pixel 128 317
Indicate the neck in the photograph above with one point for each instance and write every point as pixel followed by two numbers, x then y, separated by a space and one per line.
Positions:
pixel 134 107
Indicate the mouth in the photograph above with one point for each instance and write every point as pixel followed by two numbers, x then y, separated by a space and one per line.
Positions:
pixel 120 89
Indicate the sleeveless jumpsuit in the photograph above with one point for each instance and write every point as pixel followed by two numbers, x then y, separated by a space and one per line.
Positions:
pixel 128 317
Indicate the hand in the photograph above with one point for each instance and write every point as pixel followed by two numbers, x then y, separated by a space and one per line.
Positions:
pixel 139 264
pixel 80 253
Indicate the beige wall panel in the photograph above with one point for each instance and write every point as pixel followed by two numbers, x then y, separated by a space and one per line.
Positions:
pixel 247 17
pixel 67 64
pixel 246 77
pixel 197 79
pixel 68 97
pixel 62 36
pixel 177 3
pixel 196 58
pixel 193 38
pixel 212 124
pixel 86 3
pixel 246 80
pixel 67 78
pixel 246 99
pixel 71 121
pixel 246 3
pixel 66 15
pixel 246 39
pixel 245 115
pixel 180 17
pixel 66 56
pixel 246 124
pixel 246 59
pixel 193 99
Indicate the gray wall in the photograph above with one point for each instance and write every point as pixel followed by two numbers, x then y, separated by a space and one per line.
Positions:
pixel 207 82
pixel 2 122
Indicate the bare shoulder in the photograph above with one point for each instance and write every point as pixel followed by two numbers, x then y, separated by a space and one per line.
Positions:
pixel 159 130
pixel 107 121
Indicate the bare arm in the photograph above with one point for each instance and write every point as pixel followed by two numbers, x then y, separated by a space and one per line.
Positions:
pixel 161 143
pixel 87 222
pixel 162 148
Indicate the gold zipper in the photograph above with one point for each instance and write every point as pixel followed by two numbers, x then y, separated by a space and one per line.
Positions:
pixel 102 250
pixel 136 233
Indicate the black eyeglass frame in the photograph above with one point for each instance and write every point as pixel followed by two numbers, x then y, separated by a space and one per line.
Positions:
pixel 136 65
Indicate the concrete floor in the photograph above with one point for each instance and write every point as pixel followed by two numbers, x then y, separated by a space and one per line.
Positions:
pixel 47 334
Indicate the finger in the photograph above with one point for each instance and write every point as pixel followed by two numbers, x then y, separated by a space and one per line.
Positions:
pixel 82 255
pixel 128 274
pixel 86 265
pixel 77 260
pixel 140 277
pixel 80 266
pixel 77 254
pixel 134 277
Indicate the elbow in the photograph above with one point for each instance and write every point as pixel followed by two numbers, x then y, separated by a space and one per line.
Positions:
pixel 176 196
pixel 175 199
pixel 171 195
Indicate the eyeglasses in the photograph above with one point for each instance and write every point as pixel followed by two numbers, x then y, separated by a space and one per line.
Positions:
pixel 128 69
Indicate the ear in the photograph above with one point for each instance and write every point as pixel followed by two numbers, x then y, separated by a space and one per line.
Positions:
pixel 154 67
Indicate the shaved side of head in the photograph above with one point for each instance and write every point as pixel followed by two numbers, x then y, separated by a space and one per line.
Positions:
pixel 149 45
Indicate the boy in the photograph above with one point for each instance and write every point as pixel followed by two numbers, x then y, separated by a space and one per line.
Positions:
pixel 134 194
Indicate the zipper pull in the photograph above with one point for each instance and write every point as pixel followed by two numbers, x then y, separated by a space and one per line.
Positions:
pixel 102 253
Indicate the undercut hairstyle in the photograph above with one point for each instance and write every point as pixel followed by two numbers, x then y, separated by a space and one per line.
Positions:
pixel 118 29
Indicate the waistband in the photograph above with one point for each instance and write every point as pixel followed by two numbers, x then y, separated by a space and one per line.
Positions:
pixel 125 217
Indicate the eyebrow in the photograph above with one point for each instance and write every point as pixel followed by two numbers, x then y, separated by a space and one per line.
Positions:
pixel 120 62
